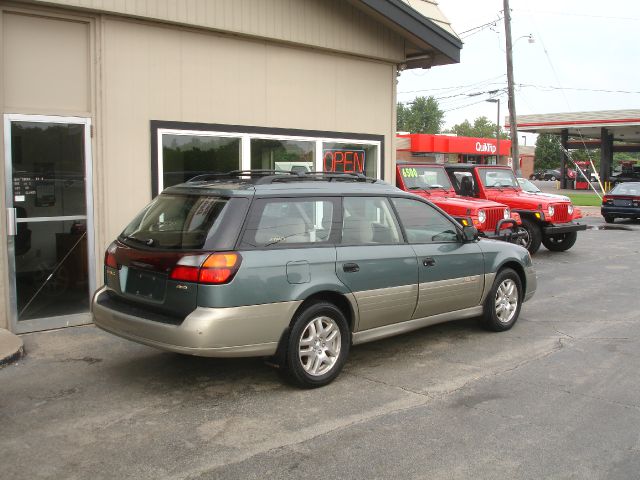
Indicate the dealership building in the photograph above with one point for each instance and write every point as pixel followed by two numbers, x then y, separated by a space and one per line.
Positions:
pixel 105 103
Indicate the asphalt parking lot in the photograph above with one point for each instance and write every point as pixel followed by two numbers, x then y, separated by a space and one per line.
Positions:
pixel 558 396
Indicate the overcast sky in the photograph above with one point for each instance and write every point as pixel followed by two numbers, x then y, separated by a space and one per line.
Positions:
pixel 579 44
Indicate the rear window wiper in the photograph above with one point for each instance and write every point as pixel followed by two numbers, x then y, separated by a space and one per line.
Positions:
pixel 148 242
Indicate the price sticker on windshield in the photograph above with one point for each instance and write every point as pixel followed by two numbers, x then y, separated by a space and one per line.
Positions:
pixel 409 173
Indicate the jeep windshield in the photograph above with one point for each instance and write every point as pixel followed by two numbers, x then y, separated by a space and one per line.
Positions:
pixel 498 178
pixel 424 178
pixel 171 221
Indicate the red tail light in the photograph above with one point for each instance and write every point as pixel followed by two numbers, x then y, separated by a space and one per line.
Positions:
pixel 606 199
pixel 110 257
pixel 217 268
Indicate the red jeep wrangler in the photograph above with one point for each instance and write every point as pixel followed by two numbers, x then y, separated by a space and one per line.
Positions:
pixel 493 220
pixel 544 220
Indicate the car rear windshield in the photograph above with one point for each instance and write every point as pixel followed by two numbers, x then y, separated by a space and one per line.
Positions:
pixel 630 188
pixel 183 222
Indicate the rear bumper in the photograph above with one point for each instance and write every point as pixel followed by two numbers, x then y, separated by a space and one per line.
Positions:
pixel 247 331
pixel 622 212
pixel 563 228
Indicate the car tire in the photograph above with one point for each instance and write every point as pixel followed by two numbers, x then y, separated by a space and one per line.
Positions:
pixel 553 178
pixel 314 359
pixel 503 302
pixel 532 177
pixel 533 237
pixel 560 242
pixel 609 218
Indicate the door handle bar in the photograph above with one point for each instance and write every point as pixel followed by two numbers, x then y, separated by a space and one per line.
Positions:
pixel 12 226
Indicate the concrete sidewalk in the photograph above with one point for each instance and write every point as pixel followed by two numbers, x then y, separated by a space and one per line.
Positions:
pixel 11 347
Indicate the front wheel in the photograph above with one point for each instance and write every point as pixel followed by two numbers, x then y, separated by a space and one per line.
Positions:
pixel 560 242
pixel 502 306
pixel 530 235
pixel 318 345
pixel 553 178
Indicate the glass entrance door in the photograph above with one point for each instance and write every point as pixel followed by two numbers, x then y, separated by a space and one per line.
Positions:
pixel 50 232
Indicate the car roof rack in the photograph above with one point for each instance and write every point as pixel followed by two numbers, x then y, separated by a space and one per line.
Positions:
pixel 263 177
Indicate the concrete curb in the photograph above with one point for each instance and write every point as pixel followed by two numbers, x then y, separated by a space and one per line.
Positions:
pixel 11 347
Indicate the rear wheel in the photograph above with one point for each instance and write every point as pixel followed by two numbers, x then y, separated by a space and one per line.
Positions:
pixel 502 306
pixel 318 345
pixel 530 235
pixel 553 178
pixel 560 242
pixel 609 218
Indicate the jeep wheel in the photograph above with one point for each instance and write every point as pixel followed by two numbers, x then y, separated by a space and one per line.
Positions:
pixel 531 236
pixel 609 219
pixel 560 242
pixel 318 345
pixel 502 306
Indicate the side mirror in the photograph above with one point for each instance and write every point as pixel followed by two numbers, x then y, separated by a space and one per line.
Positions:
pixel 469 233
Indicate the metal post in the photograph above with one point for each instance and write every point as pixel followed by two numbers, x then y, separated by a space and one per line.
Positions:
pixel 515 154
pixel 564 138
pixel 498 135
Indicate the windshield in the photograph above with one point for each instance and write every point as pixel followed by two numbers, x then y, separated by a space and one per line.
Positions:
pixel 527 186
pixel 424 178
pixel 176 222
pixel 628 188
pixel 498 177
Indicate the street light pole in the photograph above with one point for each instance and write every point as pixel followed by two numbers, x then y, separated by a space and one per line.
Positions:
pixel 497 100
pixel 515 154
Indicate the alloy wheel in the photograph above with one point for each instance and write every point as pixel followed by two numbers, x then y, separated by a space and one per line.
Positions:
pixel 506 301
pixel 319 346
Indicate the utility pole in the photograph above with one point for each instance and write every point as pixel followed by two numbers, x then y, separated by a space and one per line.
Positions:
pixel 515 154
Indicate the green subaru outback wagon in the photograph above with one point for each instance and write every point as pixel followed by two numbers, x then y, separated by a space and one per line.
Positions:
pixel 299 267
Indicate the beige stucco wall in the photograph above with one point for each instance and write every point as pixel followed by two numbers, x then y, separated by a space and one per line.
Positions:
pixel 327 24
pixel 161 73
pixel 122 73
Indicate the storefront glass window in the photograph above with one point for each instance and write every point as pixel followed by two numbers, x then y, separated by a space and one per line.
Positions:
pixel 282 155
pixel 350 158
pixel 185 156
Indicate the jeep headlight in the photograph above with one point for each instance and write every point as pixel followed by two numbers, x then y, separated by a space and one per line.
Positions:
pixel 482 216
pixel 570 209
pixel 507 214
pixel 551 210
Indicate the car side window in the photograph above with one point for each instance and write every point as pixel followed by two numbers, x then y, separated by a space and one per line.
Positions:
pixel 287 221
pixel 424 224
pixel 369 221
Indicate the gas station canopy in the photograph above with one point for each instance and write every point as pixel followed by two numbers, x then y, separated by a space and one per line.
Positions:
pixel 598 129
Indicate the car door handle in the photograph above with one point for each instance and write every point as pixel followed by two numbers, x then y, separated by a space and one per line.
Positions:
pixel 350 267
pixel 429 262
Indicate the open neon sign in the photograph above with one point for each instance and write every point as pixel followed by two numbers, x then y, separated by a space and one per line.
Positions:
pixel 347 161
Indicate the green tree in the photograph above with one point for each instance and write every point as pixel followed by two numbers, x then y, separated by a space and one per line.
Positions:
pixel 423 115
pixel 482 127
pixel 548 151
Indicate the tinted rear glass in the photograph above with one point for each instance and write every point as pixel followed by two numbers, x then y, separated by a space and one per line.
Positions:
pixel 183 222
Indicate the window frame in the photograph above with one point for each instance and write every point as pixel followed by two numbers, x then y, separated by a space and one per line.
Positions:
pixel 246 134
pixel 457 226
pixel 257 207
pixel 392 211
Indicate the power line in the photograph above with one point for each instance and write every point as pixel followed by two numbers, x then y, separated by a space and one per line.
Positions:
pixel 573 14
pixel 553 87
pixel 479 28
pixel 455 86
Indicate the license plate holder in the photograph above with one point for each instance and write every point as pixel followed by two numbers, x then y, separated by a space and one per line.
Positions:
pixel 147 285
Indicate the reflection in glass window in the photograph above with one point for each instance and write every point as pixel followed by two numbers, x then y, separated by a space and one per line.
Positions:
pixel 185 156
pixel 282 155
pixel 368 220
pixel 423 223
pixel 350 158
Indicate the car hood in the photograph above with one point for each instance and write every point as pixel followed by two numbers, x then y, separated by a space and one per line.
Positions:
pixel 450 199
pixel 552 196
pixel 522 199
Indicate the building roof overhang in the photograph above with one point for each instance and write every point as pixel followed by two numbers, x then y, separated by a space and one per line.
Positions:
pixel 430 40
